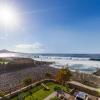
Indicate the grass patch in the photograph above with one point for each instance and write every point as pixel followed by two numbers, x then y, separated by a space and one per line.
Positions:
pixel 38 92
pixel 55 98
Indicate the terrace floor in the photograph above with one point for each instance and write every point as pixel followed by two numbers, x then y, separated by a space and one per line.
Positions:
pixel 68 96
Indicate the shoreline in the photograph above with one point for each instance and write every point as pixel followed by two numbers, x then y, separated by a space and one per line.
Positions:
pixel 82 65
pixel 14 79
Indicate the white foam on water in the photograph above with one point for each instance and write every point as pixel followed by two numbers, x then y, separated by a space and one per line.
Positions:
pixel 78 63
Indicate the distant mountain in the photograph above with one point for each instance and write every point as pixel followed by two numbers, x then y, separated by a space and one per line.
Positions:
pixel 6 51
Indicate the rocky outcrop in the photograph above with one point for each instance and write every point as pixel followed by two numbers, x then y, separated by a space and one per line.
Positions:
pixel 97 73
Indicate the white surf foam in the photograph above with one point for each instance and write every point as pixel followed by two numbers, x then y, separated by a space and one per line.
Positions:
pixel 81 63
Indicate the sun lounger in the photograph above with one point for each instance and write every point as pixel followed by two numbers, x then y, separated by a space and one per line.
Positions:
pixel 45 86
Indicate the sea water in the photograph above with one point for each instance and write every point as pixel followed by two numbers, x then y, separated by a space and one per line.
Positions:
pixel 80 62
pixel 75 62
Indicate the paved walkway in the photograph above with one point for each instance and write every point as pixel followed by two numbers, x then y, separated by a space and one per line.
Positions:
pixel 51 96
pixel 85 87
pixel 68 96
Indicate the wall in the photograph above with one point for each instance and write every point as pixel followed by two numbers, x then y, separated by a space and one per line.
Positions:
pixel 88 79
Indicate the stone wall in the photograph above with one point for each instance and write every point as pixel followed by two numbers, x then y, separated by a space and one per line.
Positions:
pixel 81 87
pixel 88 79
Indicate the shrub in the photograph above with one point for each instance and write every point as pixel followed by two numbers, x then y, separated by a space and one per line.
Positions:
pixel 56 88
pixel 2 94
pixel 67 88
pixel 27 81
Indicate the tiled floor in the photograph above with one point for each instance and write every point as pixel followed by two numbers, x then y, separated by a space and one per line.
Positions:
pixel 70 97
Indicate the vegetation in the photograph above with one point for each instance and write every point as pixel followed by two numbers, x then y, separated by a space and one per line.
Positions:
pixel 56 88
pixel 55 98
pixel 39 93
pixel 2 94
pixel 63 75
pixel 68 89
pixel 27 81
pixel 3 61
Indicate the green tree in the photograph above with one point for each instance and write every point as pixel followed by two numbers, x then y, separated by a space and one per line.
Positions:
pixel 63 75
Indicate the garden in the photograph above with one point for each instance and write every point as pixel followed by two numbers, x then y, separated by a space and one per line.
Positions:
pixel 40 92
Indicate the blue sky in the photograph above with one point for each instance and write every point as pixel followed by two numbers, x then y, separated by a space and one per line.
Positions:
pixel 53 26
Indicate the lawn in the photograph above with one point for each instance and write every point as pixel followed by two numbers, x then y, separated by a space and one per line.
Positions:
pixel 39 93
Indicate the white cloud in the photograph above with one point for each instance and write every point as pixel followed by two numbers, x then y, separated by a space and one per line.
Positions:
pixel 30 48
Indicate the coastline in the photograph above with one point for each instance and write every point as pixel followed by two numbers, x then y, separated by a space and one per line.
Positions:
pixel 13 79
pixel 87 66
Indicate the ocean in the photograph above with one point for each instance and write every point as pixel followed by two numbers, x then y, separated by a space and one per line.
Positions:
pixel 87 63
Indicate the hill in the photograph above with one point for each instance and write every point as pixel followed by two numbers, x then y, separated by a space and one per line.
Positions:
pixel 6 51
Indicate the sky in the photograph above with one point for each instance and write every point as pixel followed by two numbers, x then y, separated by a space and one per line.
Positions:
pixel 52 26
